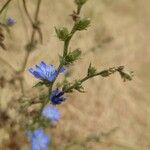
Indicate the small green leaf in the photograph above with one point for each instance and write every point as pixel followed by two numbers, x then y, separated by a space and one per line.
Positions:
pixel 78 86
pixel 91 70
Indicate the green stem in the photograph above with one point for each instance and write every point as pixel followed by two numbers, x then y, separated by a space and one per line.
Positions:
pixel 79 9
pixel 101 73
pixel 66 44
pixel 65 51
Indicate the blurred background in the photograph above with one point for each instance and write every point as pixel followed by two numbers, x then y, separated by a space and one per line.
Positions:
pixel 111 114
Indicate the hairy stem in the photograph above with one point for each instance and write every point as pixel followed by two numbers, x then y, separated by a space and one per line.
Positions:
pixel 104 73
pixel 67 42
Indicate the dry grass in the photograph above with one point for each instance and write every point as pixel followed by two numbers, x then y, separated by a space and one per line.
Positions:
pixel 119 34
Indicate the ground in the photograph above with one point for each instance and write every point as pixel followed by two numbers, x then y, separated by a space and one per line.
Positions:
pixel 116 111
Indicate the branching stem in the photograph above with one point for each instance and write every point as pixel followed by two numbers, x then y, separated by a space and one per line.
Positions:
pixel 33 31
pixel 67 42
pixel 32 40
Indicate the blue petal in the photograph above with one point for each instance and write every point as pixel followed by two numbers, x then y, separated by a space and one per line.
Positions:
pixel 35 73
pixel 51 69
pixel 41 71
pixel 42 64
pixel 62 70
pixel 52 77
pixel 39 140
pixel 45 72
pixel 31 70
pixel 10 21
pixel 51 113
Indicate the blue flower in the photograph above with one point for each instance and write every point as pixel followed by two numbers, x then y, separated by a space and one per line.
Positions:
pixel 10 21
pixel 51 113
pixel 39 140
pixel 56 97
pixel 45 72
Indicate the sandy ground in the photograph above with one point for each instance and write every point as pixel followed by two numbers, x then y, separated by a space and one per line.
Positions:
pixel 119 35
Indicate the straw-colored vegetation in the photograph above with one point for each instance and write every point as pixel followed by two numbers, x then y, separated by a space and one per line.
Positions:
pixel 111 114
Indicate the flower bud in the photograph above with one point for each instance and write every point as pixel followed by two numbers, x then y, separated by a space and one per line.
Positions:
pixel 71 57
pixel 82 24
pixel 62 33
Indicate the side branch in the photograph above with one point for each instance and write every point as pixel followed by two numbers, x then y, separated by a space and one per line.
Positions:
pixel 77 85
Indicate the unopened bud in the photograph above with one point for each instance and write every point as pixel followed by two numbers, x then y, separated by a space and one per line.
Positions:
pixel 82 24
pixel 62 33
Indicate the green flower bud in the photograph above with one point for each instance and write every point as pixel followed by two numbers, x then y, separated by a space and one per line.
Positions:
pixel 82 24
pixel 71 57
pixel 62 33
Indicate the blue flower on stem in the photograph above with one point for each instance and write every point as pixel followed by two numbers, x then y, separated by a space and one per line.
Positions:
pixel 51 113
pixel 39 140
pixel 45 72
pixel 56 97
pixel 10 21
